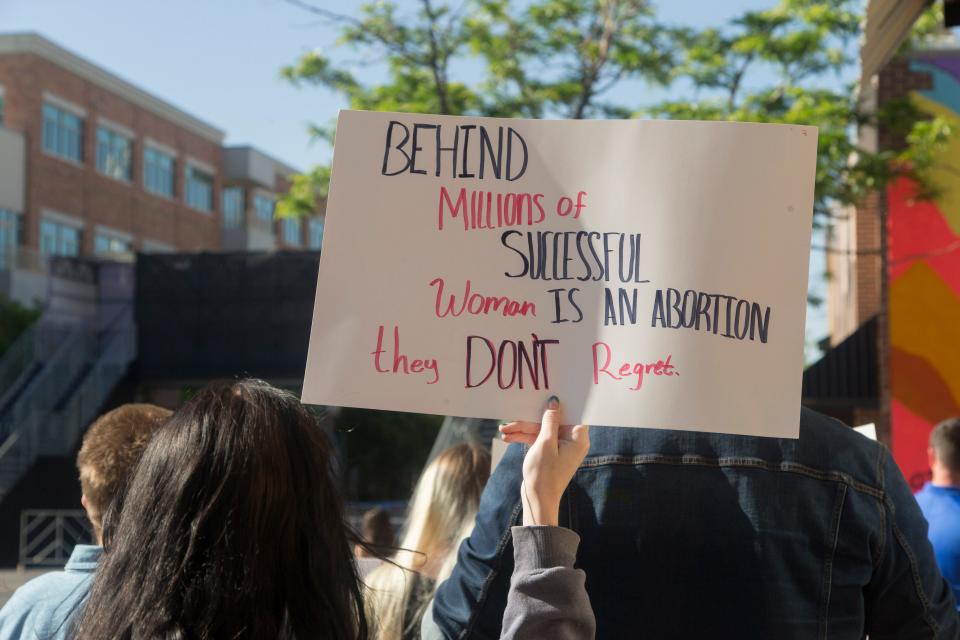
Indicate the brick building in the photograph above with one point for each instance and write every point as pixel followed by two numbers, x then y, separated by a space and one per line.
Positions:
pixel 92 165
pixel 902 264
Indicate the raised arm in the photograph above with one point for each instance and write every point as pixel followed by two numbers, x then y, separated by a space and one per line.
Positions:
pixel 547 597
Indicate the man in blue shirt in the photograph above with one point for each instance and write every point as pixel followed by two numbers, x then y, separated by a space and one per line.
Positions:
pixel 940 499
pixel 44 607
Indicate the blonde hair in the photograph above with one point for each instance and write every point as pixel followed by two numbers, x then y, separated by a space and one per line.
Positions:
pixel 440 515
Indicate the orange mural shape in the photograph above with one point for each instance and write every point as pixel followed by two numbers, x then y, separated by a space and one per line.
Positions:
pixel 920 388
pixel 925 323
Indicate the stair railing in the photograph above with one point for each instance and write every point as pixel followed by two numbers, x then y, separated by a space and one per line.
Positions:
pixel 17 359
pixel 20 425
pixel 64 427
pixel 33 426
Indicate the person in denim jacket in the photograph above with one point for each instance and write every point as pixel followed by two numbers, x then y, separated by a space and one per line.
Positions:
pixel 696 535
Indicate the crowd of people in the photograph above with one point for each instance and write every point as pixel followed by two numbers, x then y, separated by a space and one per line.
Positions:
pixel 224 519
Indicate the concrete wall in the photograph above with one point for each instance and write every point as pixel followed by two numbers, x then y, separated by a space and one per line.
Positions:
pixel 12 170
pixel 246 163
pixel 27 287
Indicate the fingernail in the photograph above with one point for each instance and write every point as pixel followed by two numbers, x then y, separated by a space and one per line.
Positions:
pixel 553 402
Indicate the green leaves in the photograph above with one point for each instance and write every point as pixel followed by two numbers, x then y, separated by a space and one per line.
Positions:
pixel 563 58
pixel 783 65
pixel 545 58
pixel 306 189
pixel 559 58
pixel 14 320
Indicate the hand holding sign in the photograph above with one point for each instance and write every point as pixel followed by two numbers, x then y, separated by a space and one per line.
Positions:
pixel 549 464
pixel 652 273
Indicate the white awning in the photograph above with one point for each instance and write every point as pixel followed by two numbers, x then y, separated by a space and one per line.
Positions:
pixel 887 25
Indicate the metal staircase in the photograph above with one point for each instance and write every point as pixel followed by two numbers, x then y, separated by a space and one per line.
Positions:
pixel 55 379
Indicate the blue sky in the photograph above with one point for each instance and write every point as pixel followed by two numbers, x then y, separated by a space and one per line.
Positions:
pixel 219 60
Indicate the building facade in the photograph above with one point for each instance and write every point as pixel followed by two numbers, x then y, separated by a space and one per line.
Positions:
pixel 252 183
pixel 898 260
pixel 91 165
pixel 923 269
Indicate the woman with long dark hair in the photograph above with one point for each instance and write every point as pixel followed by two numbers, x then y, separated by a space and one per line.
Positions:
pixel 231 527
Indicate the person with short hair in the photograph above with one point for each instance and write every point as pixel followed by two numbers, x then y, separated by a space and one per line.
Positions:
pixel 111 448
pixel 940 499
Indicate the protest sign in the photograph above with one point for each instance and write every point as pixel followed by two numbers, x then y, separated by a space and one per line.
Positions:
pixel 649 273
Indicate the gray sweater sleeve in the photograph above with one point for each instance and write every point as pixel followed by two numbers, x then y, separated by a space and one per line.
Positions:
pixel 547 596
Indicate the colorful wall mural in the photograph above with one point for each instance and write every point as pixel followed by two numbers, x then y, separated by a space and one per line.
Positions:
pixel 924 279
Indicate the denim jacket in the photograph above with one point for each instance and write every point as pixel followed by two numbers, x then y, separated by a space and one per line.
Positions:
pixel 694 535
pixel 43 609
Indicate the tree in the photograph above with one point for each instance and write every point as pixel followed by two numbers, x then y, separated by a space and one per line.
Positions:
pixel 563 58
pixel 14 320
pixel 550 58
pixel 785 65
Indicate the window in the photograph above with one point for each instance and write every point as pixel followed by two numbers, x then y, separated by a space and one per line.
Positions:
pixel 114 151
pixel 199 189
pixel 9 237
pixel 58 239
pixel 263 210
pixel 292 233
pixel 62 133
pixel 231 203
pixel 316 234
pixel 158 172
pixel 108 245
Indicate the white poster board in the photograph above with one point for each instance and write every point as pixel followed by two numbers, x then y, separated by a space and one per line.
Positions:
pixel 869 430
pixel 649 273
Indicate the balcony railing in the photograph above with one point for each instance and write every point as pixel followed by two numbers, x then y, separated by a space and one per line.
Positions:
pixel 47 537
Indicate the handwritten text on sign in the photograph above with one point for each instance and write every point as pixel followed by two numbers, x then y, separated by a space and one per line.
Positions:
pixel 649 273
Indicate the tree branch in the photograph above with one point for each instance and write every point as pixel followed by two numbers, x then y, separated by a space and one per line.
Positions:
pixel 398 49
pixel 437 66
pixel 326 14
pixel 591 70
pixel 736 80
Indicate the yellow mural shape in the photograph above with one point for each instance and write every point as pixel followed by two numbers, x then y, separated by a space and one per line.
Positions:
pixel 945 173
pixel 925 322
